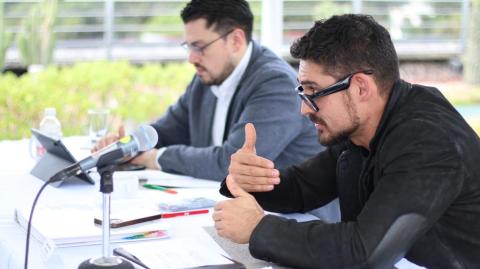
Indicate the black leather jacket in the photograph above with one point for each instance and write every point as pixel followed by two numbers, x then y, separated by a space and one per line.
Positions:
pixel 415 194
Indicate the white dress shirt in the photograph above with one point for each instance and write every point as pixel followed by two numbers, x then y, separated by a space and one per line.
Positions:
pixel 224 93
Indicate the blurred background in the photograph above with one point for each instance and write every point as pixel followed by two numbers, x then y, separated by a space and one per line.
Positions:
pixel 75 55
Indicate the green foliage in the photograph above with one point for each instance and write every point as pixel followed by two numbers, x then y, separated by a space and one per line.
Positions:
pixel 326 9
pixel 463 94
pixel 132 93
pixel 256 8
pixel 5 37
pixel 168 25
pixel 36 41
pixel 471 57
pixel 475 124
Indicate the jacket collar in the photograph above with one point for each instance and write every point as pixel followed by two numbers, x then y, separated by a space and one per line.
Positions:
pixel 398 90
pixel 255 55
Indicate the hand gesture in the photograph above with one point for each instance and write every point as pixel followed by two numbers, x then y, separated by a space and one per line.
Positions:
pixel 250 171
pixel 236 219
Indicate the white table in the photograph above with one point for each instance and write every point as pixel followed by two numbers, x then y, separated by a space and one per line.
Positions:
pixel 18 187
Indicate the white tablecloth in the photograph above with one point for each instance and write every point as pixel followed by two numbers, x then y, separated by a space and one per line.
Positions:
pixel 18 187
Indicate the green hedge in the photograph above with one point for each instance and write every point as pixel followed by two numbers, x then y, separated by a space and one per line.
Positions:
pixel 132 93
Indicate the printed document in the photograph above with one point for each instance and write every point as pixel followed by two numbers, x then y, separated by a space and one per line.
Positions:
pixel 192 250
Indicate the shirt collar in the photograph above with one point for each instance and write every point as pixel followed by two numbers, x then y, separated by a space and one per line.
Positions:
pixel 229 85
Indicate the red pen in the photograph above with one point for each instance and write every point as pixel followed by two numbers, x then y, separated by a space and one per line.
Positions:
pixel 183 213
pixel 123 223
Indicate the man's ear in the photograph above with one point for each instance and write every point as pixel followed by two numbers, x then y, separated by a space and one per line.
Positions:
pixel 238 38
pixel 366 86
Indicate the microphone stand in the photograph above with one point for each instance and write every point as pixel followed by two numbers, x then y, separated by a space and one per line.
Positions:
pixel 107 261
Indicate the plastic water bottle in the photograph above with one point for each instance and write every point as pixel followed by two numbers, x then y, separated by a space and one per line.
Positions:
pixel 50 125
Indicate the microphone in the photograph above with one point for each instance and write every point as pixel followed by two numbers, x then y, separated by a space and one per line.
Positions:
pixel 142 139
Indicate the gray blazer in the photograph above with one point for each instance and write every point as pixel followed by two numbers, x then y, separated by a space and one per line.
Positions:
pixel 265 97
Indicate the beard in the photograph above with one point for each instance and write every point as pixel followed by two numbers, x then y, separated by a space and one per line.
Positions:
pixel 342 135
pixel 333 139
pixel 219 79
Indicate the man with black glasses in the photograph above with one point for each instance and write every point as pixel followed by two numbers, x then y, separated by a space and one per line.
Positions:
pixel 401 159
pixel 236 81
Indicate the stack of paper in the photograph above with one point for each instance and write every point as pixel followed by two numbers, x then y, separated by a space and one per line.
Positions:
pixel 74 226
pixel 192 250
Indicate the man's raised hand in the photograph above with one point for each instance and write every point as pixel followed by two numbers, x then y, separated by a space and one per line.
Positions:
pixel 250 171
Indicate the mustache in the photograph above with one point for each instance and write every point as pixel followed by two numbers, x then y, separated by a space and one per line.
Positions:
pixel 199 66
pixel 315 119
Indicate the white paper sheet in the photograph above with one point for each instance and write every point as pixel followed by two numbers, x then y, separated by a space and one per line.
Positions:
pixel 191 250
pixel 68 225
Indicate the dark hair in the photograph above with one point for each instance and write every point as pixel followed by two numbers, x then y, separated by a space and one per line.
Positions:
pixel 349 43
pixel 224 15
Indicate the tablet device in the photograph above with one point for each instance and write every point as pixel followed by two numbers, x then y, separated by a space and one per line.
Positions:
pixel 56 158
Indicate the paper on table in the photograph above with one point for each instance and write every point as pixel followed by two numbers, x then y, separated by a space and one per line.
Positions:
pixel 171 180
pixel 74 226
pixel 198 249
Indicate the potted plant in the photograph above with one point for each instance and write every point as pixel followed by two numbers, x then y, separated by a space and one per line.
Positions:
pixel 5 37
pixel 36 41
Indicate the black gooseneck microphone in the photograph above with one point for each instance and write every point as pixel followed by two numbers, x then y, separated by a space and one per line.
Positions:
pixel 142 139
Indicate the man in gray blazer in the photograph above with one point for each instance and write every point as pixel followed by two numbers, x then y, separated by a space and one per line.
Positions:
pixel 237 81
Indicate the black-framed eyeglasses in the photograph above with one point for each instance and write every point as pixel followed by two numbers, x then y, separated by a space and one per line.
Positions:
pixel 200 49
pixel 342 84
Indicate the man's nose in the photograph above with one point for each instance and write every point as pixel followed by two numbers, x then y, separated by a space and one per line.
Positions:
pixel 305 109
pixel 193 57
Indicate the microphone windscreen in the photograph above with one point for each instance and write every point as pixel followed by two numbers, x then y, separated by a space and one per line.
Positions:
pixel 146 136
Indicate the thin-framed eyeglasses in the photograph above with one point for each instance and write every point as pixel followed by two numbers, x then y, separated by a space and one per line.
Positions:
pixel 342 84
pixel 200 49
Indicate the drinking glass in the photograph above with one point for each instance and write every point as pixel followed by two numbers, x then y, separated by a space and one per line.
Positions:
pixel 97 124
